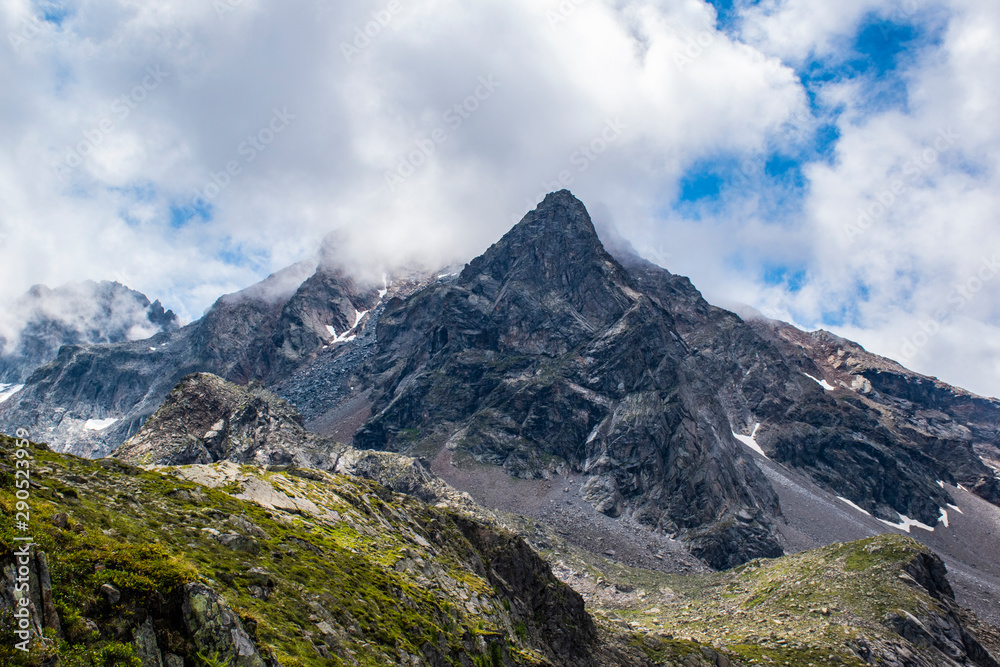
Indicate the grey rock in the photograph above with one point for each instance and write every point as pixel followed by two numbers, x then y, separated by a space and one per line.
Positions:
pixel 262 332
pixel 206 419
pixel 216 630
pixel 240 543
pixel 10 599
pixel 939 628
pixel 247 527
pixel 265 430
pixel 110 593
pixel 146 648
pixel 545 354
pixel 50 617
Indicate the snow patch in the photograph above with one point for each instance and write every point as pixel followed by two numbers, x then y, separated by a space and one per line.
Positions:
pixel 346 337
pixel 152 349
pixel 905 523
pixel 944 517
pixel 99 424
pixel 751 440
pixel 823 383
pixel 385 287
pixel 342 338
pixel 963 488
pixel 940 483
pixel 956 508
pixel 8 390
pixel 863 511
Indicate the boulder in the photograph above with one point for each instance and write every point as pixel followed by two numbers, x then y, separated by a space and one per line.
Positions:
pixel 215 630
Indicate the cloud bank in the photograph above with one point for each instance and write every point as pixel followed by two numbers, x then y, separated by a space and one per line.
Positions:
pixel 189 148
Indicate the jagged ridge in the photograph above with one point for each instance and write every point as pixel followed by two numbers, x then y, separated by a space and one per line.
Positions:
pixel 544 353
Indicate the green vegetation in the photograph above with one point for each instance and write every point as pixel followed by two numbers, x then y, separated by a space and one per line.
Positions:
pixel 814 608
pixel 333 570
pixel 340 574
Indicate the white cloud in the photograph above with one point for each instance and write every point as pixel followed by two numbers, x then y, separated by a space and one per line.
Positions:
pixel 908 207
pixel 136 143
pixel 680 91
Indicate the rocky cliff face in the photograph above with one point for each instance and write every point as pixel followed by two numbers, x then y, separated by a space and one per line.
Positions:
pixel 550 358
pixel 955 434
pixel 92 398
pixel 249 566
pixel 884 443
pixel 544 355
pixel 41 321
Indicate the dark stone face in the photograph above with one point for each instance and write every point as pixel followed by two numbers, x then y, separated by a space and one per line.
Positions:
pixel 76 314
pixel 545 354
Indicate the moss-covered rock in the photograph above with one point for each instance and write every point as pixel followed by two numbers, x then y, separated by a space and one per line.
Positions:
pixel 345 572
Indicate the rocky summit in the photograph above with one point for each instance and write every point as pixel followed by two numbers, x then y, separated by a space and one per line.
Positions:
pixel 545 356
pixel 559 454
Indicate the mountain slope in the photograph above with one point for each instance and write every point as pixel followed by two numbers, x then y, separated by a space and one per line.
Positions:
pixel 605 378
pixel 43 320
pixel 871 446
pixel 92 398
pixel 206 419
pixel 542 356
pixel 251 567
pixel 958 430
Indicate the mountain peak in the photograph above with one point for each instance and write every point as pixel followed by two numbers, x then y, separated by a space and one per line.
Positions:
pixel 560 212
pixel 554 238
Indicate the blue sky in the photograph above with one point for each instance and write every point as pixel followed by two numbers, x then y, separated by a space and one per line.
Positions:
pixel 830 164
pixel 877 56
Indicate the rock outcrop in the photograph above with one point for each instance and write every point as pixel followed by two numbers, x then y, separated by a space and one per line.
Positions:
pixel 41 321
pixel 215 630
pixel 543 355
pixel 345 571
pixel 206 419
pixel 92 398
